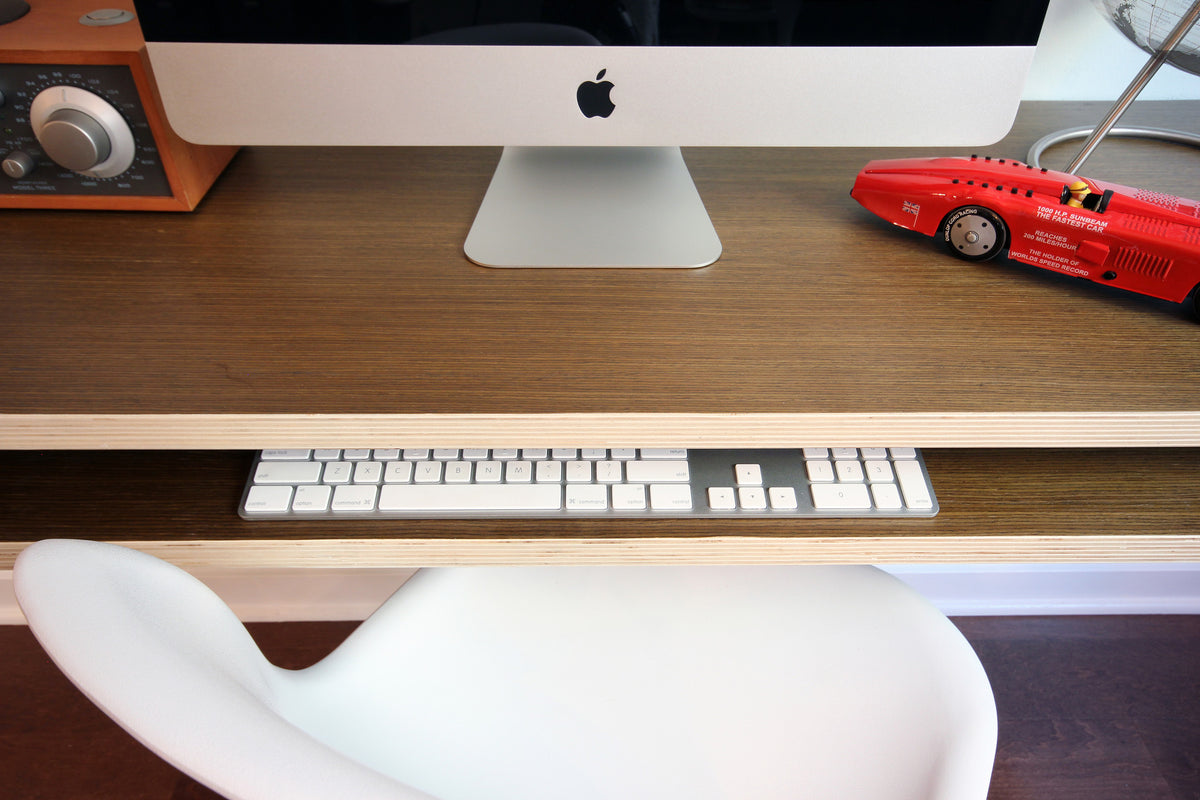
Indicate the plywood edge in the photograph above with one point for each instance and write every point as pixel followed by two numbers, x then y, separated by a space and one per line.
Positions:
pixel 698 430
pixel 350 553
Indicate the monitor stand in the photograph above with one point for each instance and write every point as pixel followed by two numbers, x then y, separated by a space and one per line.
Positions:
pixel 592 207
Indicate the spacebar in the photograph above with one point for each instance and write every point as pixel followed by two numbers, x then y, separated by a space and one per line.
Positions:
pixel 471 497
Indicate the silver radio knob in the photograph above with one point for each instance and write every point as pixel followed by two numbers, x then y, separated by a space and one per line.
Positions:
pixel 18 164
pixel 74 140
pixel 81 131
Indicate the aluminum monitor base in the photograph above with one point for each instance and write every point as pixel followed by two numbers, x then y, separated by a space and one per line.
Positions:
pixel 592 207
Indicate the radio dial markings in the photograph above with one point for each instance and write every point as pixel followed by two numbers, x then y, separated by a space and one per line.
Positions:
pixel 82 131
pixel 69 157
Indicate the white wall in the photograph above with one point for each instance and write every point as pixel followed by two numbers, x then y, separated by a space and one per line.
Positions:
pixel 1081 56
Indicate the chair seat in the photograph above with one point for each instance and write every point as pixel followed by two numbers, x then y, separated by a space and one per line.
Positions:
pixel 689 683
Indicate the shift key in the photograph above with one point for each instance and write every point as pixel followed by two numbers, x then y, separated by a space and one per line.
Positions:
pixel 657 472
pixel 278 472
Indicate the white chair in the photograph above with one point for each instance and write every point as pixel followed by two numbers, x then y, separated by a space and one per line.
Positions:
pixel 498 683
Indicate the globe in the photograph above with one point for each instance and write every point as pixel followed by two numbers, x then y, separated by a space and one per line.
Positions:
pixel 1169 30
pixel 1147 23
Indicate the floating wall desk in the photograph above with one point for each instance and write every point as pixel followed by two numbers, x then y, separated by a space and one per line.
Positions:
pixel 321 298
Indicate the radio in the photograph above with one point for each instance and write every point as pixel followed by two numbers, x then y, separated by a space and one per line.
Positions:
pixel 81 122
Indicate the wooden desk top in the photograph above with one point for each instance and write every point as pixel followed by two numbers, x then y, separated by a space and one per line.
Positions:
pixel 321 297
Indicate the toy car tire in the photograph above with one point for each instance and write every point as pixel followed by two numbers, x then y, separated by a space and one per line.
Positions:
pixel 974 233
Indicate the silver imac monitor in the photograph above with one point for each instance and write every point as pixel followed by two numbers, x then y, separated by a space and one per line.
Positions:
pixel 592 99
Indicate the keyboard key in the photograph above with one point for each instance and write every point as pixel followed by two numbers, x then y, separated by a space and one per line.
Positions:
pixel 722 498
pixel 289 472
pixel 285 455
pixel 748 474
pixel 629 497
pixel 458 472
pixel 311 499
pixel 752 498
pixel 657 472
pixel 579 471
pixel 609 472
pixel 819 471
pixel 353 498
pixel 879 472
pixel 548 471
pixel 664 453
pixel 518 471
pixel 489 471
pixel 670 496
pixel 783 498
pixel 337 472
pixel 912 484
pixel 398 472
pixel 886 496
pixel 471 497
pixel 368 472
pixel 268 499
pixel 841 496
pixel 851 471
pixel 587 497
pixel 427 472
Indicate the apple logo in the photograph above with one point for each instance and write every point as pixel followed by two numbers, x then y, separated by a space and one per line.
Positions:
pixel 593 97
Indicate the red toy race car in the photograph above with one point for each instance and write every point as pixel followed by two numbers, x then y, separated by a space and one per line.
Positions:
pixel 1133 239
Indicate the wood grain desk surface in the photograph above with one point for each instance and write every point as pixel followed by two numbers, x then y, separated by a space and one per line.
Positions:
pixel 321 297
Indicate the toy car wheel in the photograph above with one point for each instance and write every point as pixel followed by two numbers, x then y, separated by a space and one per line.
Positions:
pixel 1194 301
pixel 974 233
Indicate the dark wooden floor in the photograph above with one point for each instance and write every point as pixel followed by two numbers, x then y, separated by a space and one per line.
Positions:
pixel 1094 708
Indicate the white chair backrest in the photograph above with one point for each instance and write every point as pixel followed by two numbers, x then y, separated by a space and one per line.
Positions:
pixel 672 683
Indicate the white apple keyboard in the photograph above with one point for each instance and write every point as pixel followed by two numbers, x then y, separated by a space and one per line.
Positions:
pixel 633 482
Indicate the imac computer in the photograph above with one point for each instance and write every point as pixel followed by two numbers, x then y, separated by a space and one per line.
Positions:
pixel 592 99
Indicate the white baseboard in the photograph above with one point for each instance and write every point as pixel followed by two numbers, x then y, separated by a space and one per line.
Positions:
pixel 267 595
pixel 1025 589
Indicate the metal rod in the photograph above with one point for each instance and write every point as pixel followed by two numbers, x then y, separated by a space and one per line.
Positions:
pixel 1139 82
